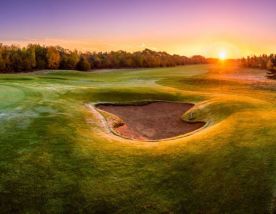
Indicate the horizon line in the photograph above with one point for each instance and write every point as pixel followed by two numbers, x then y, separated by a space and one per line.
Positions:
pixel 27 42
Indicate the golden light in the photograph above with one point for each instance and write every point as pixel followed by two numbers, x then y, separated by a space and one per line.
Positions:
pixel 222 55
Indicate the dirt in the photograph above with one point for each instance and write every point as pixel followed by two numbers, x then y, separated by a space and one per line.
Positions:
pixel 153 121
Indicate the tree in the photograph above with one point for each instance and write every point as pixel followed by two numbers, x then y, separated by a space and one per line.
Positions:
pixel 53 58
pixel 269 65
pixel 83 64
pixel 35 56
pixel 40 53
pixel 15 57
pixel 197 59
pixel 28 59
pixel 69 60
pixel 2 61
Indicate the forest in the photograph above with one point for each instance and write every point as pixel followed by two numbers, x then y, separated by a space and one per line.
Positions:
pixel 14 59
pixel 264 61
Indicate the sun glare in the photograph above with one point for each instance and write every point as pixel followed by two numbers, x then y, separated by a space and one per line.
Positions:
pixel 222 55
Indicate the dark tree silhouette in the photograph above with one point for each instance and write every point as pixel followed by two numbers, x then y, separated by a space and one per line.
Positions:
pixel 83 64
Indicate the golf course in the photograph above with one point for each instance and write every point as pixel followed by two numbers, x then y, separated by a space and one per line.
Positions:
pixel 60 152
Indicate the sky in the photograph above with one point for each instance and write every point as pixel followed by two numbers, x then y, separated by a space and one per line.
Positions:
pixel 185 27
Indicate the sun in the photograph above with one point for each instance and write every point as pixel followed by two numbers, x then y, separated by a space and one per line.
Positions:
pixel 222 55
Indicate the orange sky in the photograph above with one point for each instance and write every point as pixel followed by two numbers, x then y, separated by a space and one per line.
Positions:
pixel 207 27
pixel 210 47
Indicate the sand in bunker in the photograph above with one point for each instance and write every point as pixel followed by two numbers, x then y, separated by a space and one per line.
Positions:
pixel 153 121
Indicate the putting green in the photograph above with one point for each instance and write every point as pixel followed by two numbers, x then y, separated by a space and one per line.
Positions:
pixel 57 155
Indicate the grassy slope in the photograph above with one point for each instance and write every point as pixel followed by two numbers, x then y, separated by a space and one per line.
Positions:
pixel 55 157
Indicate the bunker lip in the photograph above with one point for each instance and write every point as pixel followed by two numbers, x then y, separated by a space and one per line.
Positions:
pixel 149 121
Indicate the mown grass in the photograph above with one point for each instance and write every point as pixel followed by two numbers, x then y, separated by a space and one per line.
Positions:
pixel 56 158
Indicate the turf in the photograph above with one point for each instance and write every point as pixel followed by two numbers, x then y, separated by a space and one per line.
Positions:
pixel 57 158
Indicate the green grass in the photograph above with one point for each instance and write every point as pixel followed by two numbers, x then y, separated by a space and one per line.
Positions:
pixel 56 158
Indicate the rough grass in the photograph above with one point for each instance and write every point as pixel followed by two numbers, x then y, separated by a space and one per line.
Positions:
pixel 56 158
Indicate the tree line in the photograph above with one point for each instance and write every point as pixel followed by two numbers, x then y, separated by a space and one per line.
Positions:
pixel 14 59
pixel 264 61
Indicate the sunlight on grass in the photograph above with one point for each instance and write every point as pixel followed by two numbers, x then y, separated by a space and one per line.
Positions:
pixel 57 156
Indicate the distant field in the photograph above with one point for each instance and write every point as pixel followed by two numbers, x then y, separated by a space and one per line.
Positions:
pixel 57 157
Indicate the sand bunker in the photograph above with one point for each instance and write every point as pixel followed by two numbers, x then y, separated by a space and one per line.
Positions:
pixel 152 121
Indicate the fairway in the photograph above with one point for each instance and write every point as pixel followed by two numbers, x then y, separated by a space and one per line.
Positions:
pixel 59 156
